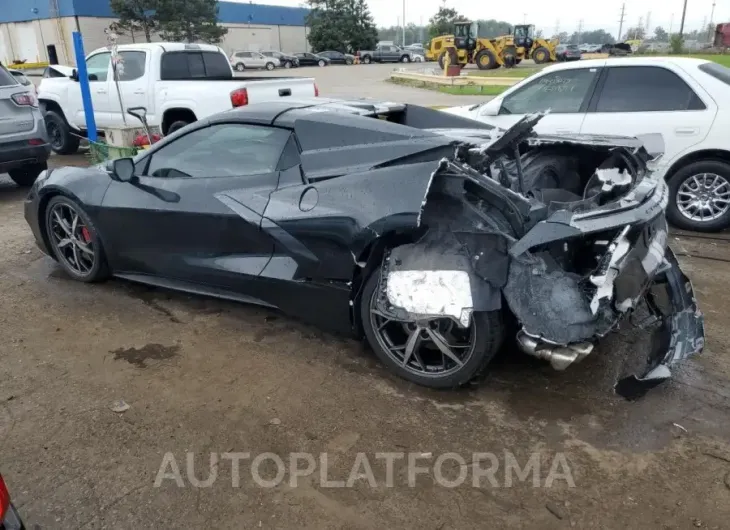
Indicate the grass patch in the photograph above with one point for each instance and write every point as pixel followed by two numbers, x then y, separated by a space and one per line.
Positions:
pixel 456 90
pixel 473 90
pixel 519 72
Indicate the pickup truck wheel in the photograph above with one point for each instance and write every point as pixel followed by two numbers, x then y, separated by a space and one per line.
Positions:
pixel 367 59
pixel 59 133
pixel 175 126
pixel 436 353
pixel 25 176
pixel 699 196
pixel 240 67
pixel 270 66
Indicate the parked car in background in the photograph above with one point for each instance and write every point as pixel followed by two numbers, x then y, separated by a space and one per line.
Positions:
pixel 312 59
pixel 387 53
pixel 568 52
pixel 23 80
pixel 338 57
pixel 24 147
pixel 685 100
pixel 9 518
pixel 247 60
pixel 177 83
pixel 287 61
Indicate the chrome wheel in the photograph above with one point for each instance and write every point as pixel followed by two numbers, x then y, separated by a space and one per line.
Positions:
pixel 71 239
pixel 704 197
pixel 431 348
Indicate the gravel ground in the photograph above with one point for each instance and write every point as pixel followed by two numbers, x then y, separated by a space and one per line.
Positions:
pixel 203 376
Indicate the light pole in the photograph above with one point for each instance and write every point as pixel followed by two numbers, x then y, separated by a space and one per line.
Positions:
pixel 404 23
pixel 681 25
pixel 34 10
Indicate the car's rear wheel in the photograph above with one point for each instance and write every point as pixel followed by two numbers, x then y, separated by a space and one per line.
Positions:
pixel 26 175
pixel 240 67
pixel 699 196
pixel 436 353
pixel 74 240
pixel 59 134
pixel 405 59
pixel 367 59
pixel 322 63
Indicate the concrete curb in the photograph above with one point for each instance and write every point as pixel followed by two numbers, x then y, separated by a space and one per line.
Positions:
pixel 456 81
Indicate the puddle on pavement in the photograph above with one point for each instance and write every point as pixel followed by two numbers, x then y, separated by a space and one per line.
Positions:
pixel 149 352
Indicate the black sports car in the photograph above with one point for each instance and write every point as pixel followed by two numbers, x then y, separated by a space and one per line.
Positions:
pixel 419 230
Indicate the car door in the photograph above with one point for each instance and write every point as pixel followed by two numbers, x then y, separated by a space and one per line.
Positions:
pixel 132 87
pixel 98 67
pixel 565 93
pixel 650 99
pixel 192 213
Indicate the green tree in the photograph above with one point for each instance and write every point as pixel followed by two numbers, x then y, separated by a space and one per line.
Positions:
pixel 442 23
pixel 660 34
pixel 676 42
pixel 135 16
pixel 190 20
pixel 343 25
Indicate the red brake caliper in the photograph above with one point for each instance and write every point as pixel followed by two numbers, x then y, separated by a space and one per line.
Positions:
pixel 85 234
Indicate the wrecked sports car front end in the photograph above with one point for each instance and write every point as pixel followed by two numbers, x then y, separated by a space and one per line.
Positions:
pixel 569 232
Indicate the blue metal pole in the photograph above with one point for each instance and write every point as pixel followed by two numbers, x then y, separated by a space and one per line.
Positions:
pixel 83 75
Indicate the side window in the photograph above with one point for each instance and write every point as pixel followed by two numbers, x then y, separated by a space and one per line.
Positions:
pixel 646 89
pixel 224 150
pixel 132 66
pixel 561 92
pixel 98 66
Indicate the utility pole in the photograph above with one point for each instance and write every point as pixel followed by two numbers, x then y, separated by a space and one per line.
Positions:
pixel 580 31
pixel 648 23
pixel 710 28
pixel 621 21
pixel 640 24
pixel 404 23
pixel 684 13
pixel 557 27
pixel 671 24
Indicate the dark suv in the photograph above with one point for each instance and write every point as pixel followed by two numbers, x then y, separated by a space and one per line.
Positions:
pixel 24 147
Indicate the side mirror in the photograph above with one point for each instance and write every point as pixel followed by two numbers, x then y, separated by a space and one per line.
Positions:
pixel 123 169
pixel 75 75
pixel 491 108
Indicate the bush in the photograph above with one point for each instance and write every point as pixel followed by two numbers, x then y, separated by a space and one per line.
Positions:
pixel 676 42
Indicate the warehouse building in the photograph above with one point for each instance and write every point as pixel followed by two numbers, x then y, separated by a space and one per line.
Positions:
pixel 40 31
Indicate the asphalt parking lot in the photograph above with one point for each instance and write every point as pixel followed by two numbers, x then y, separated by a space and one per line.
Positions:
pixel 203 376
pixel 370 81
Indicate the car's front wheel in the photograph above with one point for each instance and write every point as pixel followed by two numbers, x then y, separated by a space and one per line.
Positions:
pixel 699 196
pixel 322 63
pixel 270 66
pixel 437 352
pixel 26 175
pixel 287 64
pixel 74 240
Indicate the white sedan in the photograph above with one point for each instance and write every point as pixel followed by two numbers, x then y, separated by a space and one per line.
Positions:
pixel 686 100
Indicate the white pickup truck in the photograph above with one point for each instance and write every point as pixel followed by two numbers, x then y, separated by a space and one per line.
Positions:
pixel 177 83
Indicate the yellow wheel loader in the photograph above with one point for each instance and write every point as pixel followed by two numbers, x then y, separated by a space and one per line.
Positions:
pixel 468 48
pixel 530 47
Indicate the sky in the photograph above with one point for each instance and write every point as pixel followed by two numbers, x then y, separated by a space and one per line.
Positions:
pixel 601 14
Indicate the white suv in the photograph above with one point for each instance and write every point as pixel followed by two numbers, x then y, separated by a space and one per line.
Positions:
pixel 686 100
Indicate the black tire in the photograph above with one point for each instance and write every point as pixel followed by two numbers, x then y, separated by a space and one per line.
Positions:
pixel 509 57
pixel 322 63
pixel 442 60
pixel 175 126
pixel 100 270
pixel 489 331
pixel 486 60
pixel 240 67
pixel 25 176
pixel 518 61
pixel 675 181
pixel 270 66
pixel 287 64
pixel 367 59
pixel 59 133
pixel 541 55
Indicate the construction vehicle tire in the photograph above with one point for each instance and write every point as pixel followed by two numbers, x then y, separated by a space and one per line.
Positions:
pixel 486 60
pixel 541 55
